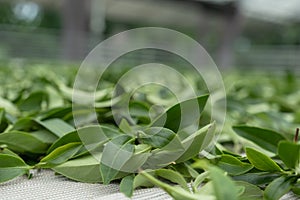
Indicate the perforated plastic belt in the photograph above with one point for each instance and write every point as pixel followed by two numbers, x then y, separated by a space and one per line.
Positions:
pixel 45 185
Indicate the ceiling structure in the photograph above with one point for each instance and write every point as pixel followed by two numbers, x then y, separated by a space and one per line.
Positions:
pixel 279 11
pixel 179 12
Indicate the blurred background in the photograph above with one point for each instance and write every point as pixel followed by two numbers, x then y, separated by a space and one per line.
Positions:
pixel 236 33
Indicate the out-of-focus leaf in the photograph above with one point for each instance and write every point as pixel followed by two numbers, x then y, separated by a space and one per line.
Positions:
pixel 125 127
pixel 206 189
pixel 57 126
pixel 199 179
pixel 25 124
pixel 9 106
pixel 80 96
pixel 278 188
pixel 224 187
pixel 3 122
pixel 2 112
pixel 33 102
pixel 110 103
pixel 266 139
pixel 139 110
pixel 60 113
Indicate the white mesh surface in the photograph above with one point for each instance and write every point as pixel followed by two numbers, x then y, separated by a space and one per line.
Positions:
pixel 46 185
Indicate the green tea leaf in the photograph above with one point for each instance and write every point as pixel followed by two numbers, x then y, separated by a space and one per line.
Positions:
pixel 57 126
pixel 139 110
pixel 224 187
pixel 115 154
pixel 61 154
pixel 140 156
pixel 9 152
pixel 157 137
pixel 175 120
pixel 142 181
pixel 162 157
pixel 199 179
pixel 45 136
pixel 11 167
pixel 81 116
pixel 185 170
pixel 233 166
pixel 111 102
pixel 289 153
pixel 209 190
pixel 278 188
pixel 172 176
pixel 261 161
pixel 82 96
pixel 34 101
pixel 259 178
pixel 23 142
pixel 2 115
pixel 296 188
pixel 93 136
pixel 197 142
pixel 176 192
pixel 125 127
pixel 251 192
pixel 68 138
pixel 266 139
pixel 3 122
pixel 206 189
pixel 9 106
pixel 25 124
pixel 83 169
pixel 126 185
pixel 192 172
pixel 59 113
